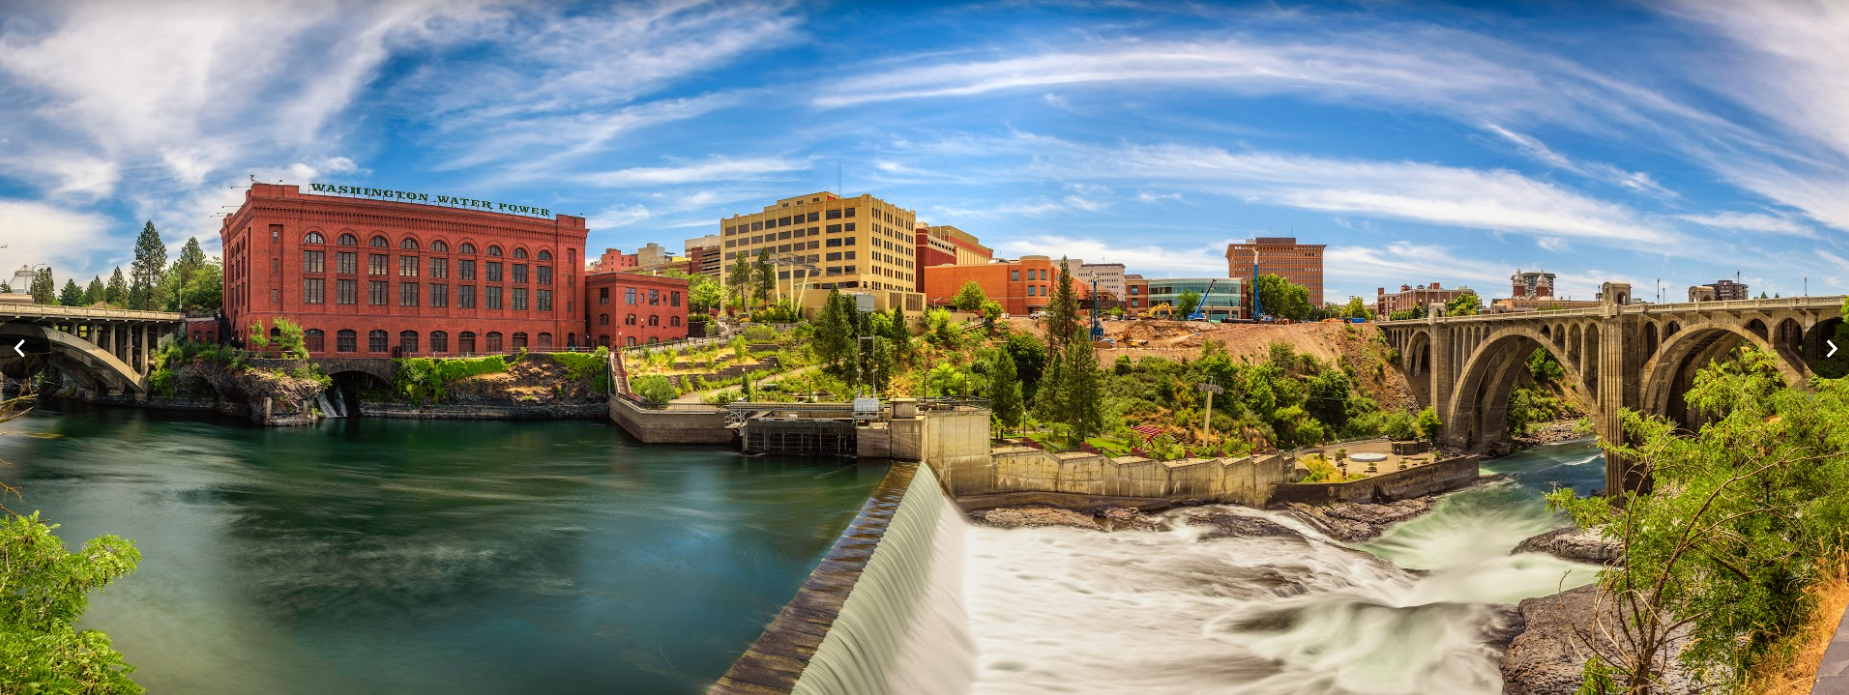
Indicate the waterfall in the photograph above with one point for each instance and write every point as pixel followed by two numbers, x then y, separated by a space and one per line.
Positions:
pixel 332 408
pixel 903 628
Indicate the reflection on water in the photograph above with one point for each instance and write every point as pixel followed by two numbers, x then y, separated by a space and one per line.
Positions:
pixel 428 556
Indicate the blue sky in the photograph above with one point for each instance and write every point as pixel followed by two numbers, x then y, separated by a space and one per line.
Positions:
pixel 1421 141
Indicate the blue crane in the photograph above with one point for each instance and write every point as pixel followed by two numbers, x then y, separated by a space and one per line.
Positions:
pixel 1097 327
pixel 1200 307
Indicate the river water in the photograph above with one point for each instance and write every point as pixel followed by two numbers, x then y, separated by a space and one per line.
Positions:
pixel 394 556
pixel 1060 610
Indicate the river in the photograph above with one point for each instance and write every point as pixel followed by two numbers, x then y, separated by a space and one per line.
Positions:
pixel 408 556
pixel 1062 610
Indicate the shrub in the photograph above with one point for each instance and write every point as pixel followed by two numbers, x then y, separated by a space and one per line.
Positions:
pixel 653 389
pixel 163 381
pixel 592 367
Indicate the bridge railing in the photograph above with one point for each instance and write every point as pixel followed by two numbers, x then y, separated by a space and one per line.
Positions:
pixel 1817 302
pixel 69 312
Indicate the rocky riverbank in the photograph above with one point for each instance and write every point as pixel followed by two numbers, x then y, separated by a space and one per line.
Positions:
pixel 1556 432
pixel 1352 522
pixel 1551 646
pixel 1573 543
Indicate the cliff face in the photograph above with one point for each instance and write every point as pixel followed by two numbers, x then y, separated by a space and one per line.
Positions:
pixel 534 380
pixel 266 397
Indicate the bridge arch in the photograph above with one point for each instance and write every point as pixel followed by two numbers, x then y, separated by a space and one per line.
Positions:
pixel 1672 371
pixel 1478 409
pixel 94 366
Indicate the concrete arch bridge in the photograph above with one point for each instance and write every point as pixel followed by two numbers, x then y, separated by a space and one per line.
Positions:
pixel 107 350
pixel 1616 355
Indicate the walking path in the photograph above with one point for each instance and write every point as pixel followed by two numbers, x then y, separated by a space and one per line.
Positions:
pixel 1833 673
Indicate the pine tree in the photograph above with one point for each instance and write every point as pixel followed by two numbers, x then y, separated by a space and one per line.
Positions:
pixel 149 266
pixel 95 292
pixel 765 275
pixel 738 281
pixel 44 290
pixel 6 287
pixel 1083 387
pixel 117 291
pixel 1062 313
pixel 901 336
pixel 1004 391
pixel 1049 399
pixel 71 295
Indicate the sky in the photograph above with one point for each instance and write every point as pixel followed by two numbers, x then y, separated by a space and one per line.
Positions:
pixel 1677 140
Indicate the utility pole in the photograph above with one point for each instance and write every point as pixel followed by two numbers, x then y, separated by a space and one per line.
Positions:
pixel 1210 389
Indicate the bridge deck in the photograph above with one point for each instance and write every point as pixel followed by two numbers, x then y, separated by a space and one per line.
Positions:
pixel 1823 302
pixel 13 312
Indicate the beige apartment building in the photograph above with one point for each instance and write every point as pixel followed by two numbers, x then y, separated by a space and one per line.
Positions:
pixel 822 241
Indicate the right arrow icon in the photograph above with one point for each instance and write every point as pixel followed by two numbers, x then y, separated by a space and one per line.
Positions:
pixel 1832 344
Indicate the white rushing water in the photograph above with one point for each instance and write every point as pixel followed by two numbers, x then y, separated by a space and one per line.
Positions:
pixel 947 607
pixel 1059 610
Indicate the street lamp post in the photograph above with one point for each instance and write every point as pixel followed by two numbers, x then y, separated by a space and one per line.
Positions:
pixel 1210 389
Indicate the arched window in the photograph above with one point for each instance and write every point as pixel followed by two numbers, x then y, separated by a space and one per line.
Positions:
pixel 545 255
pixel 438 245
pixel 466 248
pixel 379 242
pixel 346 341
pixel 348 240
pixel 629 320
pixel 408 244
pixel 195 336
pixel 376 341
pixel 654 320
pixel 652 340
pixel 629 341
pixel 545 340
pixel 465 342
pixel 494 250
pixel 407 342
pixel 571 340
pixel 439 341
pixel 603 319
pixel 519 253
pixel 674 321
pixel 275 334
pixel 519 339
pixel 313 339
pixel 494 341
pixel 603 339
pixel 313 238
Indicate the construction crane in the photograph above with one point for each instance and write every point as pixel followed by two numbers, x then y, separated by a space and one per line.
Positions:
pixel 1097 326
pixel 1200 307
pixel 1258 308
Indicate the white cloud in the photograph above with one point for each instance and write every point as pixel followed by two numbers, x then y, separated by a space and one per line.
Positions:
pixel 1638 181
pixel 618 216
pixel 1151 261
pixel 40 233
pixel 1037 209
pixel 713 169
pixel 1753 222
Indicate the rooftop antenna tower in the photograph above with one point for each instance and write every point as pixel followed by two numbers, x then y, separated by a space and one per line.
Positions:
pixel 838 188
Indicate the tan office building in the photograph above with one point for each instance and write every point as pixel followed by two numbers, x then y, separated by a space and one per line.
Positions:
pixel 1301 264
pixel 822 241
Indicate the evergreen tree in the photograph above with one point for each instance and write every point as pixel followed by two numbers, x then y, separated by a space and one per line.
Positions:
pixel 1004 391
pixel 765 275
pixel 71 295
pixel 95 292
pixel 901 336
pixel 738 281
pixel 5 287
pixel 44 290
pixel 1049 398
pixel 834 335
pixel 117 291
pixel 1083 387
pixel 149 267
pixel 1062 312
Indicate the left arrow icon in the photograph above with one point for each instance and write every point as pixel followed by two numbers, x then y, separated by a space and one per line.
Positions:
pixel 20 348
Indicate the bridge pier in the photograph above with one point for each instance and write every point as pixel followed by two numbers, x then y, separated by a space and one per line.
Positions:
pixel 1616 356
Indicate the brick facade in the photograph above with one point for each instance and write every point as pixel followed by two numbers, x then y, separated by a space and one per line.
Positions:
pixel 1022 286
pixel 454 281
pixel 634 308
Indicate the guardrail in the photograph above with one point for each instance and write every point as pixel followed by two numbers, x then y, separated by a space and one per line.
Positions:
pixel 63 312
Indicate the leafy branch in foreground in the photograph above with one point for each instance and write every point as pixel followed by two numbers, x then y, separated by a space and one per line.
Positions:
pixel 1720 552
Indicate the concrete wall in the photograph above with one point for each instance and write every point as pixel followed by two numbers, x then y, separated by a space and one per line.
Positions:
pixel 1397 485
pixel 671 426
pixel 1248 481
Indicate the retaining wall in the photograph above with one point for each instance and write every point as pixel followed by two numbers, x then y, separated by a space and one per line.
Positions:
pixel 1085 476
pixel 671 426
pixel 1397 485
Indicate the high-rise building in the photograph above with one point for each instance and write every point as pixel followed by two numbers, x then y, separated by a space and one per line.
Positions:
pixel 613 261
pixel 821 241
pixel 704 255
pixel 1109 279
pixel 1301 264
pixel 1718 291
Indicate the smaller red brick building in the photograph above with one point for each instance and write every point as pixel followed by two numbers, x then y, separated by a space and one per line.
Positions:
pixel 1022 286
pixel 635 308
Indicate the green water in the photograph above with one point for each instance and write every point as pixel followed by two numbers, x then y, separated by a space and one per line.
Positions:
pixel 393 556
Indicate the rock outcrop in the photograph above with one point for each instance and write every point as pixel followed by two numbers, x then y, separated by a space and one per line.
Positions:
pixel 1549 653
pixel 1014 517
pixel 1230 525
pixel 1572 543
pixel 1355 523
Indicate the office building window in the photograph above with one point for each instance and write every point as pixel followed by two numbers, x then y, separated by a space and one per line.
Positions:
pixel 376 264
pixel 346 341
pixel 465 296
pixel 346 262
pixel 314 291
pixel 376 341
pixel 603 295
pixel 493 295
pixel 314 261
pixel 545 299
pixel 407 266
pixel 520 273
pixel 674 298
pixel 494 271
pixel 439 268
pixel 407 294
pixel 654 297
pixel 465 269
pixel 545 274
pixel 346 291
pixel 439 296
pixel 376 291
pixel 629 295
pixel 519 298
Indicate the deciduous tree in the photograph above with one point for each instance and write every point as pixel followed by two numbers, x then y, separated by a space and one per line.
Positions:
pixel 969 297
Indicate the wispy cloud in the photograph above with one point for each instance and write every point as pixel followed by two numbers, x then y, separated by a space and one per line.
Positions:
pixel 1753 222
pixel 1155 261
pixel 710 170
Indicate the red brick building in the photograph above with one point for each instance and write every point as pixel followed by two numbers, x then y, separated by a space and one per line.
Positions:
pixel 635 308
pixel 375 278
pixel 1022 286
